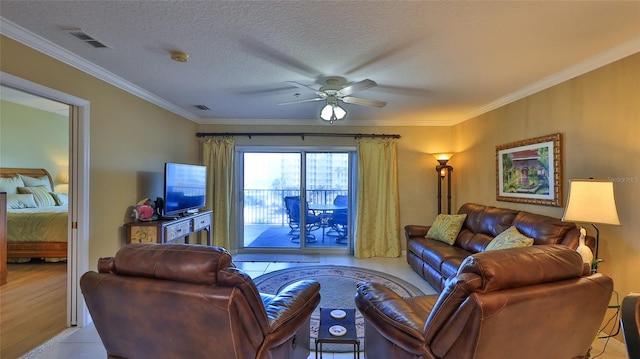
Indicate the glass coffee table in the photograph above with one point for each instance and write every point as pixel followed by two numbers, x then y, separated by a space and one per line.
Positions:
pixel 338 326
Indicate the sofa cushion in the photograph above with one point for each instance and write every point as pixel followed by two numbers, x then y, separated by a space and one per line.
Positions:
pixel 444 258
pixel 543 229
pixel 472 242
pixel 446 227
pixel 510 238
pixel 482 224
pixel 486 219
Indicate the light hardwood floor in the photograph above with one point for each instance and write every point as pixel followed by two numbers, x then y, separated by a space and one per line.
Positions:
pixel 32 306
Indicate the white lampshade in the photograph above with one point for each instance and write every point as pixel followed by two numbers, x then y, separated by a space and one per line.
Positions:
pixel 591 201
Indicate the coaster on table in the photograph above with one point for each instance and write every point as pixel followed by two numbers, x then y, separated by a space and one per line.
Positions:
pixel 338 314
pixel 337 330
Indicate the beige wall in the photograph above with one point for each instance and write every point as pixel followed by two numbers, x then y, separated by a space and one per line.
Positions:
pixel 130 139
pixel 598 115
pixel 32 138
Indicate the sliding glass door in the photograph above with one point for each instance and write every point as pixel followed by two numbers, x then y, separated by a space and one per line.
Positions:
pixel 298 199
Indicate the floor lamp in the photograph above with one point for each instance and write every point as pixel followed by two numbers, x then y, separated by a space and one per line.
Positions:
pixel 591 201
pixel 443 171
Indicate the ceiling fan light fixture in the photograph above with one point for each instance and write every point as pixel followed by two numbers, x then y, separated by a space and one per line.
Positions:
pixel 332 112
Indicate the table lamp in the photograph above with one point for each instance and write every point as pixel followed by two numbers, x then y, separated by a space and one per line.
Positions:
pixel 591 201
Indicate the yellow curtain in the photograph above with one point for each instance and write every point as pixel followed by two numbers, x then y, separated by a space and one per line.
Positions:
pixel 378 223
pixel 217 155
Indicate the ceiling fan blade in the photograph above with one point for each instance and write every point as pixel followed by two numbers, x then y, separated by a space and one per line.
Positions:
pixel 363 101
pixel 358 86
pixel 305 87
pixel 302 101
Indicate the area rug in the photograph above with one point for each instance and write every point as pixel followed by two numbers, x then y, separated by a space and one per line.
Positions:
pixel 337 289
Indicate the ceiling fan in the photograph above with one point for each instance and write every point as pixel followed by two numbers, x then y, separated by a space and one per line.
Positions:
pixel 334 91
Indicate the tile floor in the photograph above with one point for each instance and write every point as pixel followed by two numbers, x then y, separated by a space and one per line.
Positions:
pixel 84 343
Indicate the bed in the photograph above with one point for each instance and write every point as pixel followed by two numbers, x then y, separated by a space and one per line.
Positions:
pixel 37 216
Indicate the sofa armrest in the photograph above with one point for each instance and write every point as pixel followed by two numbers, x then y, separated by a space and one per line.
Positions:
pixel 399 320
pixel 294 303
pixel 414 230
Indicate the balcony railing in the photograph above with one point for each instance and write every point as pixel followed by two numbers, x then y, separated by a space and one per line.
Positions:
pixel 266 206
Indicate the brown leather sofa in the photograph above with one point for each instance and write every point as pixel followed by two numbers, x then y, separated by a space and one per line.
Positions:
pixel 525 303
pixel 435 261
pixel 190 301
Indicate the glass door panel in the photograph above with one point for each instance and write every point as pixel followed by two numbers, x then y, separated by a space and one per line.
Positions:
pixel 278 212
pixel 327 189
pixel 271 181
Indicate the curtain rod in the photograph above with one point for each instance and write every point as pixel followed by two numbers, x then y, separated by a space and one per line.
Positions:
pixel 301 135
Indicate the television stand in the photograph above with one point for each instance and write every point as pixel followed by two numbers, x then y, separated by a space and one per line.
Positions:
pixel 169 218
pixel 168 230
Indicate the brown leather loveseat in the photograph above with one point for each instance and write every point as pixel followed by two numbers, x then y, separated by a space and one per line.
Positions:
pixel 190 301
pixel 525 303
pixel 435 261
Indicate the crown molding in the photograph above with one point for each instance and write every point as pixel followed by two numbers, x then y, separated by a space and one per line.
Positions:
pixel 27 38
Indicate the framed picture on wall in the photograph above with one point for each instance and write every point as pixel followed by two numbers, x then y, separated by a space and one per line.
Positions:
pixel 530 171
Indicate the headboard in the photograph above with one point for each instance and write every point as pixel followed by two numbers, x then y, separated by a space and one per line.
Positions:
pixel 31 172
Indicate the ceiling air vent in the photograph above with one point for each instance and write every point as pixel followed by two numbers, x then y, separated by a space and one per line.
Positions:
pixel 86 38
pixel 202 107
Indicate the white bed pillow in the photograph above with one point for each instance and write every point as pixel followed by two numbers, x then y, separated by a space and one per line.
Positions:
pixel 34 182
pixel 11 184
pixel 18 201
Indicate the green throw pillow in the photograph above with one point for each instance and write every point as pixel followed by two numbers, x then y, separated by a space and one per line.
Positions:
pixel 446 227
pixel 510 238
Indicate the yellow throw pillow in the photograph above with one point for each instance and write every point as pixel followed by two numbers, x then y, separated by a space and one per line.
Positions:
pixel 510 238
pixel 446 227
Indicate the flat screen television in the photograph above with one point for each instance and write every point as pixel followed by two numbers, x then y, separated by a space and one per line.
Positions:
pixel 185 188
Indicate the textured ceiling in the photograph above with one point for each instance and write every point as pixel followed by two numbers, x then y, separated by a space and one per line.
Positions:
pixel 435 62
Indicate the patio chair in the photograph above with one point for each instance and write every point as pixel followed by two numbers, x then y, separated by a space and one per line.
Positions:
pixel 312 222
pixel 341 200
pixel 339 219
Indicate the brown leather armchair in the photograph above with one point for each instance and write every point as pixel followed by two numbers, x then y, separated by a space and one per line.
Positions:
pixel 533 302
pixel 190 301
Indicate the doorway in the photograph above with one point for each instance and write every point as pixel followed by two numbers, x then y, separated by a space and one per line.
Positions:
pixel 296 199
pixel 78 190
